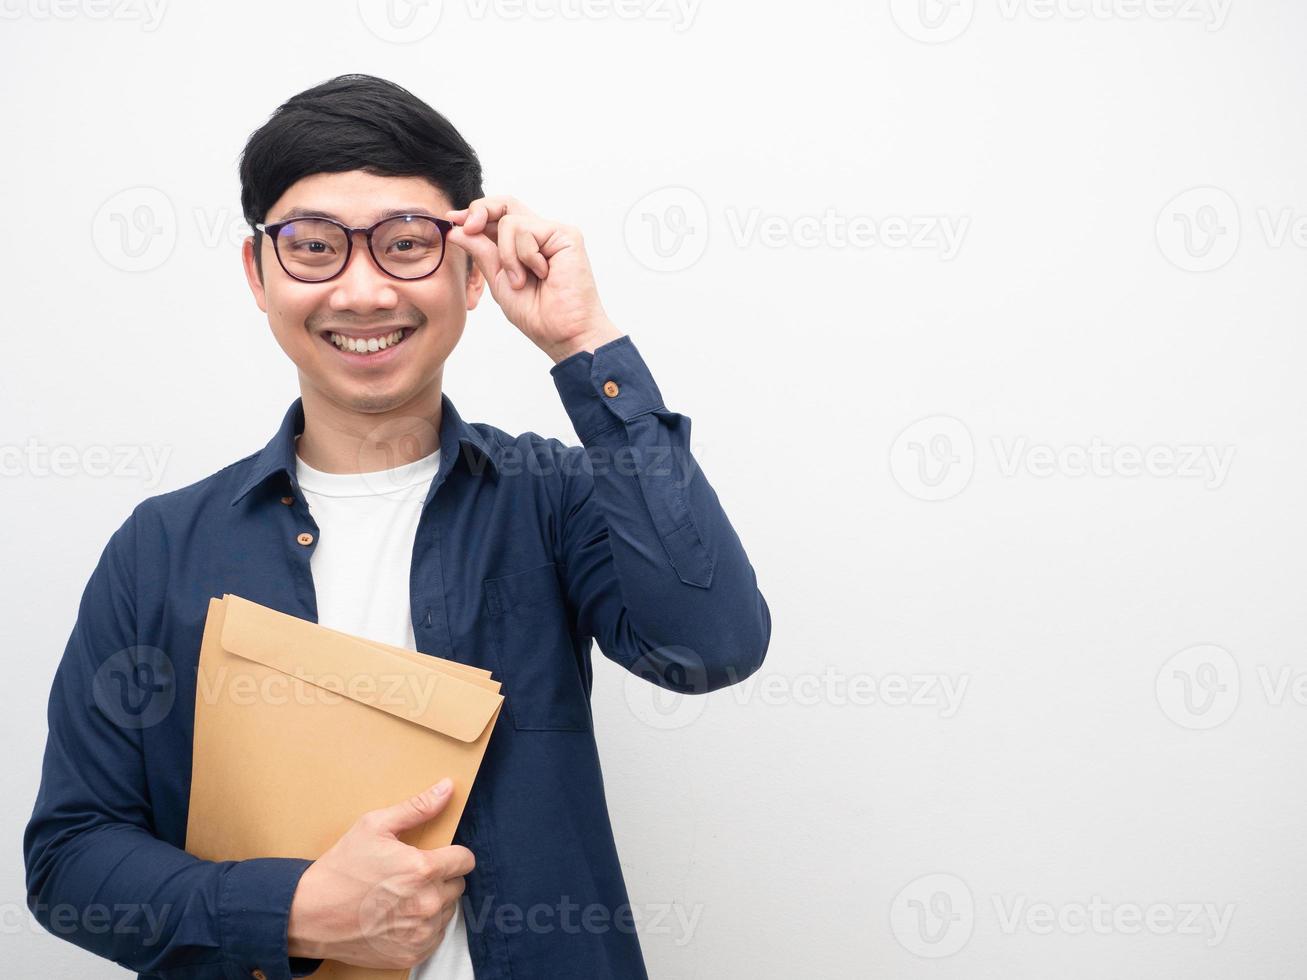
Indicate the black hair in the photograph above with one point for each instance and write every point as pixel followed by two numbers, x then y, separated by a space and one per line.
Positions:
pixel 354 122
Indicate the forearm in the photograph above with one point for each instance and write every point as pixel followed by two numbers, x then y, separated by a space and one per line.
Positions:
pixel 122 894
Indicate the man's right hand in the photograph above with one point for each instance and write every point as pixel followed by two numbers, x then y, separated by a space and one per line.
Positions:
pixel 374 901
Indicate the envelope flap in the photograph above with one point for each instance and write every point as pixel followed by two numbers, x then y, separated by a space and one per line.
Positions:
pixel 354 668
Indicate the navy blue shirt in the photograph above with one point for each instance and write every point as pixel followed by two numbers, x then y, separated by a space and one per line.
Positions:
pixel 526 550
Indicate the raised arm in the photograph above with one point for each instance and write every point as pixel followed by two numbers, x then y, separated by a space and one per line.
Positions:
pixel 651 562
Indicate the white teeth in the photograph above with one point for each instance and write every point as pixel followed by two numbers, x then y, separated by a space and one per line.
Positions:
pixel 369 346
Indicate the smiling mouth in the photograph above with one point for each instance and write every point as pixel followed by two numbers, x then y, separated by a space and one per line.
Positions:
pixel 370 346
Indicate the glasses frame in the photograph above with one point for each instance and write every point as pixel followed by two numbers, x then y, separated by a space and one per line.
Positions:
pixel 273 231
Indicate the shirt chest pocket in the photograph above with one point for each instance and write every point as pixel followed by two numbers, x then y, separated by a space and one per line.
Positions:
pixel 532 648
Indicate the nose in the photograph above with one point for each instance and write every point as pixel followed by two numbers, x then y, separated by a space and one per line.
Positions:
pixel 362 287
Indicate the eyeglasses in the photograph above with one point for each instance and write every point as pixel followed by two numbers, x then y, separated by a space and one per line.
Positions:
pixel 412 246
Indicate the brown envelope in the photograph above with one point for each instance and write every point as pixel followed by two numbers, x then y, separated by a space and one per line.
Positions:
pixel 299 729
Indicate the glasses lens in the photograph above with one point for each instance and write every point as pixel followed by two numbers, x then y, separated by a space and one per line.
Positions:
pixel 408 246
pixel 311 249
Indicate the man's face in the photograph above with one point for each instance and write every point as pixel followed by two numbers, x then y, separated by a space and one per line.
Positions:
pixel 364 302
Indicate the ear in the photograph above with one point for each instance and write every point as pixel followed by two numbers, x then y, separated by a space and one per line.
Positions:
pixel 476 283
pixel 252 274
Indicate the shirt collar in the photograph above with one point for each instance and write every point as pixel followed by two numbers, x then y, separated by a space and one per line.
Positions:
pixel 278 456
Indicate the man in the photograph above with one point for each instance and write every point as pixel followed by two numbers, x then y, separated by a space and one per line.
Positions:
pixel 376 509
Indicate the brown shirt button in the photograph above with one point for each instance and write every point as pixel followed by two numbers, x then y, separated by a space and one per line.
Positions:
pixel 288 500
pixel 258 975
pixel 611 389
pixel 305 538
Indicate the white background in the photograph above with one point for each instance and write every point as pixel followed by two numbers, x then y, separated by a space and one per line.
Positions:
pixel 898 430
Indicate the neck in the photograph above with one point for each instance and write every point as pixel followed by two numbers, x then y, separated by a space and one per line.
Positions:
pixel 339 439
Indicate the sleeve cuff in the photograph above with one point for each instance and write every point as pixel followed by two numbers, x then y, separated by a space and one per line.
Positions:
pixel 607 388
pixel 255 909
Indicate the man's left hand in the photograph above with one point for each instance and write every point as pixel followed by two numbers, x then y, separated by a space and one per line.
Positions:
pixel 538 273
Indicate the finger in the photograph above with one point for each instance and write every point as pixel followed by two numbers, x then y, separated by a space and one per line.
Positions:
pixel 527 247
pixel 487 209
pixel 476 217
pixel 482 211
pixel 508 255
pixel 523 242
pixel 490 229
pixel 443 863
pixel 414 811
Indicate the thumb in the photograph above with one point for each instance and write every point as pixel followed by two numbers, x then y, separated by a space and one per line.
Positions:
pixel 416 810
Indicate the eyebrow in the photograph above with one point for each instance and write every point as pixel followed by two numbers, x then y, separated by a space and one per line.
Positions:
pixel 377 216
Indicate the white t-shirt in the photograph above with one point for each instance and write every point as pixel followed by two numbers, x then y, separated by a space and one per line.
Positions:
pixel 366 526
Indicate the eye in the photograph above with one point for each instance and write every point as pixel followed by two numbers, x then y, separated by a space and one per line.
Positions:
pixel 312 246
pixel 410 244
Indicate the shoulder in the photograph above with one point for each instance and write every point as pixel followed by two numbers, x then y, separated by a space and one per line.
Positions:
pixel 216 488
pixel 177 515
pixel 530 454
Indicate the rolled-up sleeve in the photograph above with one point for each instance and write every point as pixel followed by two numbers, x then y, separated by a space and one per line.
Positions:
pixel 653 568
pixel 96 875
